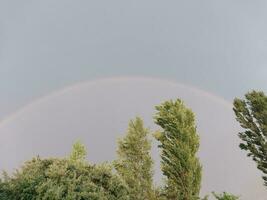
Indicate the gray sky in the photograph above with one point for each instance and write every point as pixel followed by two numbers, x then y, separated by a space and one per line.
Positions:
pixel 219 46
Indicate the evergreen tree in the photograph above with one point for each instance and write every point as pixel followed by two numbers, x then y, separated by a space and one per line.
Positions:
pixel 134 163
pixel 179 144
pixel 251 113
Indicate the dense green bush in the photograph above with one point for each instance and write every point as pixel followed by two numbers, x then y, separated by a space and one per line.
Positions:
pixel 63 179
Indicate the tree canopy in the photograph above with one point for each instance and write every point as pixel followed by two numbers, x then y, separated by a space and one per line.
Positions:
pixel 63 179
pixel 134 163
pixel 251 113
pixel 225 196
pixel 179 143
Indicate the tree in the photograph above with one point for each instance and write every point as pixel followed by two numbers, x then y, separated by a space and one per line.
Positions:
pixel 78 153
pixel 251 113
pixel 179 144
pixel 134 163
pixel 63 179
pixel 225 196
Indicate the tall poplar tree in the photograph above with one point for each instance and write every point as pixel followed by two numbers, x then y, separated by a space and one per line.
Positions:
pixel 179 144
pixel 134 163
pixel 251 113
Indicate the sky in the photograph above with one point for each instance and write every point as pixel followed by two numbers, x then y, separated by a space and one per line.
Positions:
pixel 217 46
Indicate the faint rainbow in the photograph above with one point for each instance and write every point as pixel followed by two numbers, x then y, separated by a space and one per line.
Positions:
pixel 59 92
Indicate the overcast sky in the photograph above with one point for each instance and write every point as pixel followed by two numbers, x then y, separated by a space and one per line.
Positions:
pixel 219 46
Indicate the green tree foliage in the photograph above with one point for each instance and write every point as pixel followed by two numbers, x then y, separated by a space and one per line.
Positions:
pixel 179 144
pixel 251 113
pixel 134 163
pixel 78 153
pixel 63 179
pixel 225 196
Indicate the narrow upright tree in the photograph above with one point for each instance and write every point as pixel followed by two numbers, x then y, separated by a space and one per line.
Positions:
pixel 78 153
pixel 251 113
pixel 179 144
pixel 134 163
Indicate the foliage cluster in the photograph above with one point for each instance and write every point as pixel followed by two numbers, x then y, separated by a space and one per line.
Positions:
pixel 179 143
pixel 59 179
pixel 251 113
